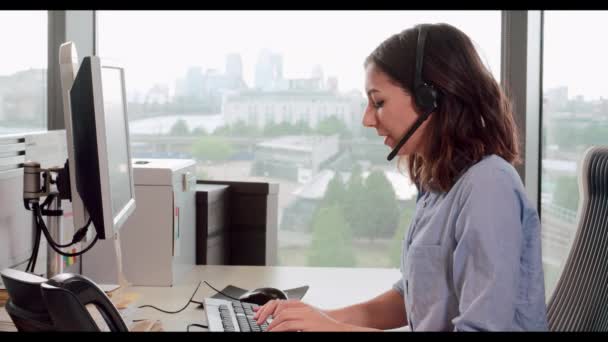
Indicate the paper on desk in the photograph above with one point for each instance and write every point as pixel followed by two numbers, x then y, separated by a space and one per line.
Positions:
pixel 6 323
pixel 146 325
pixel 117 294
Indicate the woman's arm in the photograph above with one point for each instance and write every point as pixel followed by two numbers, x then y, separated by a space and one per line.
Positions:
pixel 386 311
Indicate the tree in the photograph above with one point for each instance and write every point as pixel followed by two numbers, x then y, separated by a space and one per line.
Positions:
pixel 566 192
pixel 355 202
pixel 331 239
pixel 180 128
pixel 331 125
pixel 382 210
pixel 400 234
pixel 212 148
pixel 199 131
pixel 238 129
pixel 335 193
pixel 302 128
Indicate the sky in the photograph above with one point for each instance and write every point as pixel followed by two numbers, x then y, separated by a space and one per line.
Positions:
pixel 158 46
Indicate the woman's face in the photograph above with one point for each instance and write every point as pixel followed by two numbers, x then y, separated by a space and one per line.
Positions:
pixel 391 111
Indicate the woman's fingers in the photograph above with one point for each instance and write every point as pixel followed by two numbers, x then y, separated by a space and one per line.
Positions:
pixel 266 310
pixel 287 316
pixel 276 308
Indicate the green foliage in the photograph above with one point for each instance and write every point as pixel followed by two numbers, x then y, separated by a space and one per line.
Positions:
pixel 239 129
pixel 371 206
pixel 355 203
pixel 566 192
pixel 332 125
pixel 199 131
pixel 335 193
pixel 211 148
pixel 382 211
pixel 285 128
pixel 400 234
pixel 568 134
pixel 180 128
pixel 331 239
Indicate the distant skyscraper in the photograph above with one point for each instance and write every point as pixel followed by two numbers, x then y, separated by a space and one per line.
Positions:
pixel 234 71
pixel 557 97
pixel 317 73
pixel 192 85
pixel 268 70
pixel 234 65
pixel 332 84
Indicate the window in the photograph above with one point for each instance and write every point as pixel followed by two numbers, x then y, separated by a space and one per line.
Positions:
pixel 23 71
pixel 340 202
pixel 575 116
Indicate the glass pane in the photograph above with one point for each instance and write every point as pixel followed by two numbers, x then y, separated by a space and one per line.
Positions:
pixel 575 116
pixel 23 105
pixel 278 96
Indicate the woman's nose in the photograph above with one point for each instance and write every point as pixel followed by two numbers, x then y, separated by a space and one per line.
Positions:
pixel 369 118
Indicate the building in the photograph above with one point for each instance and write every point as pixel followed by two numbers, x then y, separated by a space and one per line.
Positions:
pixel 296 158
pixel 300 104
pixel 268 71
pixel 556 99
pixel 23 98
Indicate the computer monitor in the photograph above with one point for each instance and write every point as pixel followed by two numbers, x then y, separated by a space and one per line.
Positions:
pixel 102 158
pixel 68 67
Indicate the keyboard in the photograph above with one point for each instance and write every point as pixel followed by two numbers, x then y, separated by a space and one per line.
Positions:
pixel 232 315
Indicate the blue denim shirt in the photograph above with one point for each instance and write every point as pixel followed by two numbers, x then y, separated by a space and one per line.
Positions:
pixel 471 260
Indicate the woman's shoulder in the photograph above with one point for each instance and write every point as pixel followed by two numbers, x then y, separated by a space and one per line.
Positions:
pixel 490 172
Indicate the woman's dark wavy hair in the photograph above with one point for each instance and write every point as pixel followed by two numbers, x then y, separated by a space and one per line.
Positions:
pixel 474 116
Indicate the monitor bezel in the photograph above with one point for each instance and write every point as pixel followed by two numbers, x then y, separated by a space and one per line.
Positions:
pixel 120 218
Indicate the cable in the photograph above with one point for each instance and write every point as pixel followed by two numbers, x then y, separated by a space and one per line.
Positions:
pixel 178 311
pixel 222 293
pixel 32 262
pixel 196 325
pixel 36 248
pixel 52 243
pixel 78 236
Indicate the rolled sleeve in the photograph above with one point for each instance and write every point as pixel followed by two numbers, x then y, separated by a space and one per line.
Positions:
pixel 399 287
pixel 486 259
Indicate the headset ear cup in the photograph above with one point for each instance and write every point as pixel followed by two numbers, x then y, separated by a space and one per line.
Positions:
pixel 426 98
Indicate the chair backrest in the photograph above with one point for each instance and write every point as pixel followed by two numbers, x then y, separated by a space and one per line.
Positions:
pixel 580 299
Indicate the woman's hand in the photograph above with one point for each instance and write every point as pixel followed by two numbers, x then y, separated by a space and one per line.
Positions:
pixel 293 315
pixel 274 307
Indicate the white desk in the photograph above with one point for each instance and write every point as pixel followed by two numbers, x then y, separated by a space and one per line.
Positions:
pixel 329 288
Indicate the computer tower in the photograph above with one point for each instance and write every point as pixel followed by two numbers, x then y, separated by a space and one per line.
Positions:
pixel 158 241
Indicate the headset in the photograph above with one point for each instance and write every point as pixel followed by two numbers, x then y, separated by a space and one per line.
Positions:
pixel 425 96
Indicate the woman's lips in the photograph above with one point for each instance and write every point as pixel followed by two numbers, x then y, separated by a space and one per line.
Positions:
pixel 387 141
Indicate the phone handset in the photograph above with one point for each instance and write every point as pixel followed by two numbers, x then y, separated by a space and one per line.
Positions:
pixel 66 296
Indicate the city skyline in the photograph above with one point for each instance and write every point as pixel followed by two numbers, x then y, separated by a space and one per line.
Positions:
pixel 158 47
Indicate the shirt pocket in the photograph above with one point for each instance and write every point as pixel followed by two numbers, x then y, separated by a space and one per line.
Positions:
pixel 426 277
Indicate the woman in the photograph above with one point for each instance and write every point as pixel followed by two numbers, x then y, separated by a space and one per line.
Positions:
pixel 471 260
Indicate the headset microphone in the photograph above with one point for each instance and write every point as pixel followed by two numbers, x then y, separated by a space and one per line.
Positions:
pixel 407 135
pixel 425 95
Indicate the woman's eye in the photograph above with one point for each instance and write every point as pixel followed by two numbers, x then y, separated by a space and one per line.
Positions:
pixel 378 104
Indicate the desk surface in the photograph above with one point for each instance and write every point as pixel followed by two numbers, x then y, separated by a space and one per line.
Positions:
pixel 329 288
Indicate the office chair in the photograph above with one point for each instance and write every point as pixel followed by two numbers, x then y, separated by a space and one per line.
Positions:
pixel 580 299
